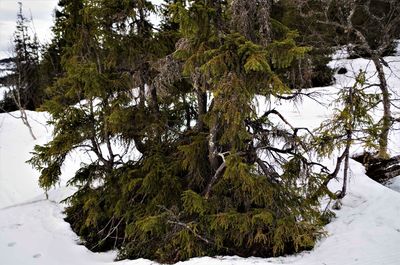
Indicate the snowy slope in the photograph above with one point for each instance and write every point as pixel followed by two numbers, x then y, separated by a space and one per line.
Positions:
pixel 32 229
pixel 17 180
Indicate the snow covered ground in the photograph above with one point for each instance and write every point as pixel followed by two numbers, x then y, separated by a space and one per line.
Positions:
pixel 32 230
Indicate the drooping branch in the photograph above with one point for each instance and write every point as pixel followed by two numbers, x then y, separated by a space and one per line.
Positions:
pixel 214 178
pixel 175 221
pixel 294 129
pixel 186 226
pixel 271 175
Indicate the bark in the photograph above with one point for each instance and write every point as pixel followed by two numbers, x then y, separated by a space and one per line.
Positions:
pixel 271 175
pixel 16 95
pixel 202 108
pixel 154 99
pixel 386 119
pixel 212 146
pixel 212 140
pixel 345 171
pixel 201 98
pixel 250 16
pixel 216 176
pixel 142 95
pixel 349 136
pixel 25 121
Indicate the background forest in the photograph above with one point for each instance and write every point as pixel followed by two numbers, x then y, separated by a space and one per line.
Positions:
pixel 184 162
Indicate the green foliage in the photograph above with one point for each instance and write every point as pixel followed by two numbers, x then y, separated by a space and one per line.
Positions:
pixel 195 160
pixel 191 179
pixel 353 114
pixel 285 51
pixel 193 203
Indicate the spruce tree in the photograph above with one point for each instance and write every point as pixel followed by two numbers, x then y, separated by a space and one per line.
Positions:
pixel 201 172
pixel 21 75
pixel 350 123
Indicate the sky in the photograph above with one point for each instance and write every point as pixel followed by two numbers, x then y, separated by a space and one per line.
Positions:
pixel 40 10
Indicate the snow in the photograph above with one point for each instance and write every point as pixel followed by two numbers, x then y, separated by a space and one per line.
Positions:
pixel 366 229
pixel 394 184
pixel 17 180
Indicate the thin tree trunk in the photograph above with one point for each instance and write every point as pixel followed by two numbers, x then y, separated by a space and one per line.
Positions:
pixel 349 136
pixel 202 109
pixel 17 100
pixel 25 121
pixel 142 95
pixel 214 178
pixel 212 140
pixel 212 146
pixel 345 169
pixel 154 99
pixel 386 119
pixel 201 98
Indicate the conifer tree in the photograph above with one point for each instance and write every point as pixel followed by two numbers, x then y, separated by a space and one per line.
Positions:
pixel 103 61
pixel 64 26
pixel 22 76
pixel 351 123
pixel 200 171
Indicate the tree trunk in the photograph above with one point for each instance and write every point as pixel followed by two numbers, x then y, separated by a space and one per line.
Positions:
pixel 25 121
pixel 386 119
pixel 349 134
pixel 345 172
pixel 201 98
pixel 202 108
pixel 212 147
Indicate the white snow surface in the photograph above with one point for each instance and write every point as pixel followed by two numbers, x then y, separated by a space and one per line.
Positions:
pixel 366 229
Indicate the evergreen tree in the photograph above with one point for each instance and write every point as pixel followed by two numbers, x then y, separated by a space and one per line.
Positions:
pixel 22 73
pixel 102 62
pixel 200 172
pixel 351 123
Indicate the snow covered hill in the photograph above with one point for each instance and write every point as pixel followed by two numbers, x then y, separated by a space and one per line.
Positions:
pixel 32 230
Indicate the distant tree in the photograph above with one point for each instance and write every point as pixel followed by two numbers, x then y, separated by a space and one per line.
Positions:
pixel 313 70
pixel 21 76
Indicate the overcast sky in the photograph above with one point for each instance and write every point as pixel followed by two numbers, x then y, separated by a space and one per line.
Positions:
pixel 41 12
